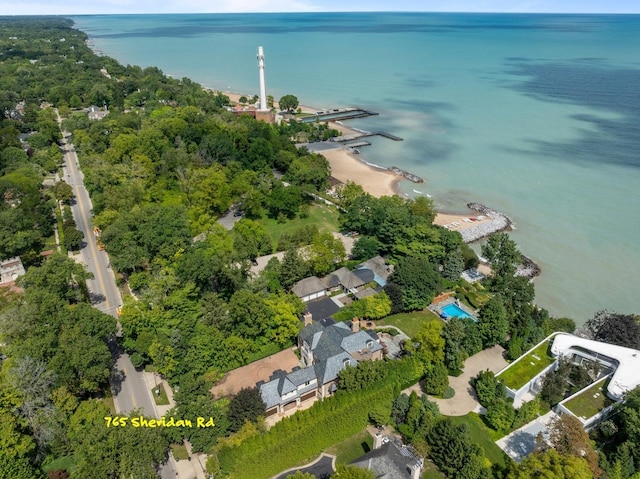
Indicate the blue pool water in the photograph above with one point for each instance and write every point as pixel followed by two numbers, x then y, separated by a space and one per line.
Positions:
pixel 451 310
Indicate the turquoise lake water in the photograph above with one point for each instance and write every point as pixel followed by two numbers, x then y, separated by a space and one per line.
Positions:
pixel 537 116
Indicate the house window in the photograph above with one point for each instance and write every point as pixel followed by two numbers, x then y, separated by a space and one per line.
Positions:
pixel 369 344
pixel 345 363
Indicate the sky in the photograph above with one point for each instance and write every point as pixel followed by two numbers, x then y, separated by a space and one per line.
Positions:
pixel 80 7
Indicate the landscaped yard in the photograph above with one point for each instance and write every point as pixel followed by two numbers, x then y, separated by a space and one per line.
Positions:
pixel 527 367
pixel 481 434
pixel 352 448
pixel 591 401
pixel 410 323
pixel 323 217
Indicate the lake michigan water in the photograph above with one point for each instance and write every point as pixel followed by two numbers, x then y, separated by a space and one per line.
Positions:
pixel 537 116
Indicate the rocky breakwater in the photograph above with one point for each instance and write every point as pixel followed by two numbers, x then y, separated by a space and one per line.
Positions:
pixel 497 222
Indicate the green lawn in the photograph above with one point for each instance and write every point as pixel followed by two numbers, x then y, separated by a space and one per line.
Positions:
pixel 323 217
pixel 160 398
pixel 108 401
pixel 179 452
pixel 352 448
pixel 481 434
pixel 431 471
pixel 527 367
pixel 591 401
pixel 410 323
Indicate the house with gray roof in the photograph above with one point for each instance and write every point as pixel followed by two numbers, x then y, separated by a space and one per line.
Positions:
pixel 343 279
pixel 309 288
pixel 324 351
pixel 391 460
pixel 381 270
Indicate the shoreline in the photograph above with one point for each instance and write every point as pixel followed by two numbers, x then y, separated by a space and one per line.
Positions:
pixel 381 181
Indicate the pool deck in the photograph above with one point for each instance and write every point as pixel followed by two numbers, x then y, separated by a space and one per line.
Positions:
pixel 439 306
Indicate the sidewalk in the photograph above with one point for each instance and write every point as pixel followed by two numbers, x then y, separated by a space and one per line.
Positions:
pixel 194 467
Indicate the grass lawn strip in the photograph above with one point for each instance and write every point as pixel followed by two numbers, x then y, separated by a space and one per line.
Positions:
pixel 590 401
pixel 160 398
pixel 527 367
pixel 179 452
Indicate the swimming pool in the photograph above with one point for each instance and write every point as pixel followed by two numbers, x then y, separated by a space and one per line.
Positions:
pixel 451 310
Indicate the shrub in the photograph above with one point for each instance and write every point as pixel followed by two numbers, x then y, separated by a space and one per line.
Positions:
pixel 449 393
pixel 488 388
pixel 500 415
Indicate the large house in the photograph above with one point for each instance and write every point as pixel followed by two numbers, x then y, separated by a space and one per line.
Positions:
pixel 324 351
pixel 343 280
pixel 391 460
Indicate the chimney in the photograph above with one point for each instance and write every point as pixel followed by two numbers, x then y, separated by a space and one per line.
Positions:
pixel 355 325
pixel 415 471
pixel 308 318
pixel 377 441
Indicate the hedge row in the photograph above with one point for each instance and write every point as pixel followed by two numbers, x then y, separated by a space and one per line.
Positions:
pixel 307 433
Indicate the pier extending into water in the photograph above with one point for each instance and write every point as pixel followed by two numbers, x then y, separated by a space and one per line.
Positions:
pixel 338 114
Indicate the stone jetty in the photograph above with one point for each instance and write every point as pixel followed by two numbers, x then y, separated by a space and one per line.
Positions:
pixel 497 222
pixel 406 174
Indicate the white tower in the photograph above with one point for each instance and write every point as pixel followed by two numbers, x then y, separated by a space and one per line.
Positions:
pixel 263 85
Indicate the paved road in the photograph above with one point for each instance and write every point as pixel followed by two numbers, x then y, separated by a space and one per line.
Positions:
pixel 130 391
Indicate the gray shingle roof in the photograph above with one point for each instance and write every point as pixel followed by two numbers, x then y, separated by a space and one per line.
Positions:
pixel 308 286
pixel 381 270
pixel 388 462
pixel 344 277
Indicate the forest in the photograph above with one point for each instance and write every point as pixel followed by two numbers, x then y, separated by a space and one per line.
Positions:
pixel 162 167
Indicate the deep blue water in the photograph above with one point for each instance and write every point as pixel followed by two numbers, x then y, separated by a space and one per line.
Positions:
pixel 534 115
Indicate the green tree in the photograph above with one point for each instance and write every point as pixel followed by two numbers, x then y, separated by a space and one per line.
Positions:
pixel 63 192
pixel 568 437
pixel 301 475
pixel 251 239
pixel 492 322
pixel 19 468
pixel 246 405
pixel 489 389
pixel 430 343
pixel 324 252
pixel 288 102
pixel 418 279
pixel 365 247
pixel 293 268
pixel 500 415
pixel 436 379
pixel 454 452
pixel 550 464
pixel 454 335
pixel 503 255
pixel 615 328
pixel 344 471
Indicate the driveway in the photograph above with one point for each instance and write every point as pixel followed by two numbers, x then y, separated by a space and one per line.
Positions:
pixel 465 399
pixel 248 376
pixel 321 468
pixel 521 442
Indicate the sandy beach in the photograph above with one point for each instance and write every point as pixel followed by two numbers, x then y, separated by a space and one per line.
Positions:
pixel 375 181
